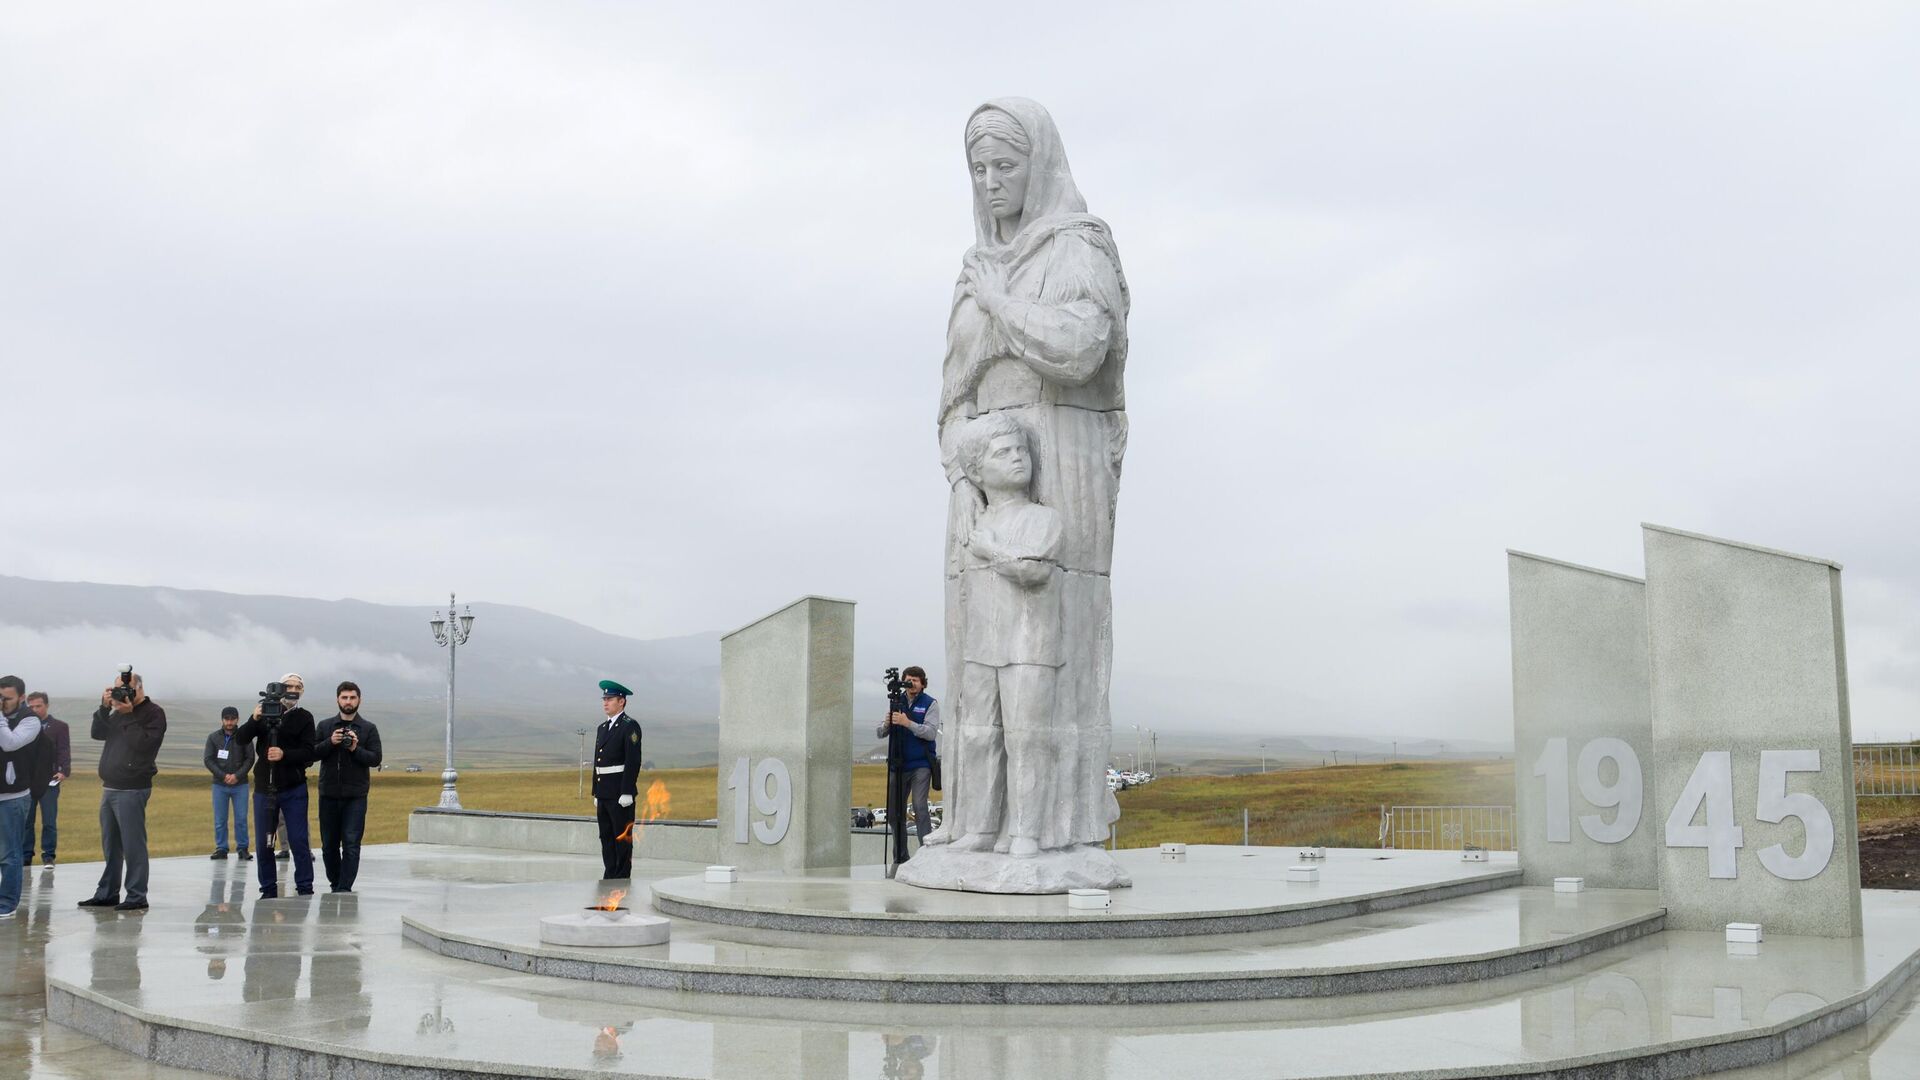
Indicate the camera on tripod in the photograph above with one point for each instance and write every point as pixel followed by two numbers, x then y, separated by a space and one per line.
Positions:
pixel 123 693
pixel 270 708
pixel 898 700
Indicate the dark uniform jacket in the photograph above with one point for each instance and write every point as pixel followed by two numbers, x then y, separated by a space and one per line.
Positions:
pixel 616 758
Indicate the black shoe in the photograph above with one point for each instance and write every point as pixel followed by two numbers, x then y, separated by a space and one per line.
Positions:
pixel 131 905
pixel 269 894
pixel 304 892
pixel 283 853
pixel 46 862
pixel 244 856
pixel 100 901
pixel 218 853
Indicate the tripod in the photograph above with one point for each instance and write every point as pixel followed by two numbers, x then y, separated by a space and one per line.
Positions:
pixel 896 800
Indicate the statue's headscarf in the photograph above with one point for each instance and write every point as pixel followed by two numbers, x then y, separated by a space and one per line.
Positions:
pixel 1050 189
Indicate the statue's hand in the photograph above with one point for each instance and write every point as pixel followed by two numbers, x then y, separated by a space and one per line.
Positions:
pixel 986 281
pixel 973 496
pixel 984 544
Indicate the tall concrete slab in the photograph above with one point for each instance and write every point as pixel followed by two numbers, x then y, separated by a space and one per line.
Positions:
pixel 1752 739
pixel 786 751
pixel 1582 725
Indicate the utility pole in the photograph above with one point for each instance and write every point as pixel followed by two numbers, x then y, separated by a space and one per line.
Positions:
pixel 1263 757
pixel 1155 743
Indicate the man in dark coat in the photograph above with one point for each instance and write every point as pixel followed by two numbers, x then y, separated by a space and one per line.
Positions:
pixel 616 765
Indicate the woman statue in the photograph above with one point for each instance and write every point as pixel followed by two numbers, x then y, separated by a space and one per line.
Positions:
pixel 1038 329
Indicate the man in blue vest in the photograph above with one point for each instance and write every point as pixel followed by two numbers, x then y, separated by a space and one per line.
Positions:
pixel 912 738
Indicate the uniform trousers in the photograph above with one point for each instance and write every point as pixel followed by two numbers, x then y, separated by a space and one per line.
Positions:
pixel 616 855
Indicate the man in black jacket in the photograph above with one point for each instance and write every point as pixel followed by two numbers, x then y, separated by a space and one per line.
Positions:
pixel 132 727
pixel 616 764
pixel 285 748
pixel 347 745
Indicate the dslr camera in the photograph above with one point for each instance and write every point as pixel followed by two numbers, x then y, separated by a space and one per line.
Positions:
pixel 123 693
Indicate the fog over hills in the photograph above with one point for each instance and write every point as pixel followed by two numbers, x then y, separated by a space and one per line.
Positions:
pixel 71 636
pixel 527 678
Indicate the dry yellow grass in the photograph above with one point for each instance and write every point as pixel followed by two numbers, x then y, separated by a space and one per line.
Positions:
pixel 1287 807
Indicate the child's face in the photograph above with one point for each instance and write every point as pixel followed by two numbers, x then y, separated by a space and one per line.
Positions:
pixel 1005 466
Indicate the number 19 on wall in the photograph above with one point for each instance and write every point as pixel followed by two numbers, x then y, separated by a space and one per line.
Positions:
pixel 770 788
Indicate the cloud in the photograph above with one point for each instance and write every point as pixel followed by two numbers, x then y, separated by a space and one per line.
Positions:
pixel 636 315
pixel 194 663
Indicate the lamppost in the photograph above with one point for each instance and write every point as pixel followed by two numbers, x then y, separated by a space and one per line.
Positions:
pixel 1263 757
pixel 451 631
pixel 582 779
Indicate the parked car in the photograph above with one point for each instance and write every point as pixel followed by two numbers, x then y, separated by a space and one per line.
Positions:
pixel 413 768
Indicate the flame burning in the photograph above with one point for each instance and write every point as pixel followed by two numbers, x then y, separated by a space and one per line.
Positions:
pixel 612 902
pixel 659 800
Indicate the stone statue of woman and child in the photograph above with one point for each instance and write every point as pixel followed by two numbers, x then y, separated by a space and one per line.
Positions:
pixel 1032 430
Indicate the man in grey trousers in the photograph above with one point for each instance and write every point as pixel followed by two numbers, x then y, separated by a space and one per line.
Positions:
pixel 132 727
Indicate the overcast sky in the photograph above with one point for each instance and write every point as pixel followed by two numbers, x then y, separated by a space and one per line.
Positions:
pixel 637 317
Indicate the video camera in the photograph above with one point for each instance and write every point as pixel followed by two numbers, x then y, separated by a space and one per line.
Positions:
pixel 898 700
pixel 270 708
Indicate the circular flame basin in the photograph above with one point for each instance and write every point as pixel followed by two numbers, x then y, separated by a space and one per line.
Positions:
pixel 597 927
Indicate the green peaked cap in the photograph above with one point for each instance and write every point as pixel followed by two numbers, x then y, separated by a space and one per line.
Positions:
pixel 608 686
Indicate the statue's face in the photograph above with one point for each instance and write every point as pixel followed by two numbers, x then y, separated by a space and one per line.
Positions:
pixel 1000 177
pixel 1006 466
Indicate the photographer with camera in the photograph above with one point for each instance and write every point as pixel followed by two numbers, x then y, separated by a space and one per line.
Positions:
pixel 132 727
pixel 912 731
pixel 282 732
pixel 348 745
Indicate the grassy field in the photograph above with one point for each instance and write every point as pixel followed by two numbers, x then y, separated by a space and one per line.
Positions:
pixel 1337 805
pixel 1285 807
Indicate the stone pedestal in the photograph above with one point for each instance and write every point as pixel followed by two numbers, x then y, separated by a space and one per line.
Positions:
pixel 1752 740
pixel 786 721
pixel 1582 725
pixel 939 866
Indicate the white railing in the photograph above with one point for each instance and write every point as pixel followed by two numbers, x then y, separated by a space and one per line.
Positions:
pixel 1886 769
pixel 1446 828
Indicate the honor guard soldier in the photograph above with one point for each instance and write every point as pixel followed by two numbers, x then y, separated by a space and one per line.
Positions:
pixel 616 762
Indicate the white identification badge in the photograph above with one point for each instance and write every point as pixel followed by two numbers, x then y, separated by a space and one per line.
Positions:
pixel 220 754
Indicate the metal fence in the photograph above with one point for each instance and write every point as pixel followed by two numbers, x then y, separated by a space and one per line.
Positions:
pixel 1886 769
pixel 1446 828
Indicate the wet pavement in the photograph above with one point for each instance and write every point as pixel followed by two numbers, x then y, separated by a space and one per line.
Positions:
pixel 333 972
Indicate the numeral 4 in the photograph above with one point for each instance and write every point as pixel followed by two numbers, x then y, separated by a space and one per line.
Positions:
pixel 1711 787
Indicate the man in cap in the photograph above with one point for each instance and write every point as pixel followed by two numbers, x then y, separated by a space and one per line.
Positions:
pixel 229 759
pixel 616 762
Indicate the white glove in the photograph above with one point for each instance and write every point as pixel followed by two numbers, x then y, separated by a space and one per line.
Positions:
pixel 626 800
